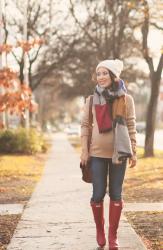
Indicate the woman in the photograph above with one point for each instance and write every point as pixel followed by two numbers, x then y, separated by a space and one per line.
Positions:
pixel 113 141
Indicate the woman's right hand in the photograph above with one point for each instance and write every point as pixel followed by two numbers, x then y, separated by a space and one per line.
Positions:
pixel 84 157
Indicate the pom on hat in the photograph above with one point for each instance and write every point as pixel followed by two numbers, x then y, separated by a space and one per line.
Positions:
pixel 115 66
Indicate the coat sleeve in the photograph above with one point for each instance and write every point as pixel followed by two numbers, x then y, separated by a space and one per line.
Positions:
pixel 131 121
pixel 85 119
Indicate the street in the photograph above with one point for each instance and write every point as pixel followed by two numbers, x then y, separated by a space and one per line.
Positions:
pixel 158 139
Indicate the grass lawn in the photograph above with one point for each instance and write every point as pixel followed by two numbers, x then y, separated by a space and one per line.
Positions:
pixel 18 177
pixel 143 184
pixel 149 225
pixel 7 226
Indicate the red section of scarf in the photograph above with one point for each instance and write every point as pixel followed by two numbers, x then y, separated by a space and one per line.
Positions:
pixel 103 117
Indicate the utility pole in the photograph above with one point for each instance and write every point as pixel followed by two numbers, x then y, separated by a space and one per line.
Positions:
pixel 26 76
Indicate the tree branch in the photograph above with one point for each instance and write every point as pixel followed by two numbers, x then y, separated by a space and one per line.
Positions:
pixel 32 60
pixel 160 66
pixel 5 28
pixel 18 61
pixel 83 28
pixel 156 26
pixel 41 75
pixel 35 18
pixel 145 31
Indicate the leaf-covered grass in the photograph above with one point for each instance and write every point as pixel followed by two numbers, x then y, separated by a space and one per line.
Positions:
pixel 149 225
pixel 8 224
pixel 144 182
pixel 18 176
pixel 75 142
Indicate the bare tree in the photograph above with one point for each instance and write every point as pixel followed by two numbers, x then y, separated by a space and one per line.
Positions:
pixel 35 29
pixel 103 33
pixel 155 78
pixel 108 27
pixel 74 46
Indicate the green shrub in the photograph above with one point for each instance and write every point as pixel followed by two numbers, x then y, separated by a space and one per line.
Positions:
pixel 22 141
pixel 7 141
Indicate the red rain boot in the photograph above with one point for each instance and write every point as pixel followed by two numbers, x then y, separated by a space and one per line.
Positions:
pixel 98 212
pixel 114 218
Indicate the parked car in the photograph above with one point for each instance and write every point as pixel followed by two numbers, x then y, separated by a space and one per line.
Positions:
pixel 140 127
pixel 73 129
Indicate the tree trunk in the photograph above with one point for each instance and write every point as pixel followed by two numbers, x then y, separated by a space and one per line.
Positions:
pixel 21 76
pixel 151 116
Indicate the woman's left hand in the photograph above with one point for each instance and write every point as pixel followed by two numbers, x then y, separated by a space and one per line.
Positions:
pixel 132 161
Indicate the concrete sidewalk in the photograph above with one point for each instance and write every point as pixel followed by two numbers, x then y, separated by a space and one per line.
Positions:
pixel 58 214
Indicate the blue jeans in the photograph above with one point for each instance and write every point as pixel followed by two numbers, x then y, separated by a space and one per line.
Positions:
pixel 100 168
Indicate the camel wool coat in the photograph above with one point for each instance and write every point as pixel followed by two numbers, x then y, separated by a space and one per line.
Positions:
pixel 102 143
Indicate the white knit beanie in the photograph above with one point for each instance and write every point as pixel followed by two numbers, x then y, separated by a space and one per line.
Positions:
pixel 115 66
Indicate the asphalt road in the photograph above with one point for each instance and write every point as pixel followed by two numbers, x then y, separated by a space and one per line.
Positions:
pixel 158 139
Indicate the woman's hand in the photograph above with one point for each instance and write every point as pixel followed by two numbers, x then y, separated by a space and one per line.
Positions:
pixel 84 157
pixel 132 161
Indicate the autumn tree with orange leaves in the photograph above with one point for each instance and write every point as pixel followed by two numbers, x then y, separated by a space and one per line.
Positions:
pixel 16 96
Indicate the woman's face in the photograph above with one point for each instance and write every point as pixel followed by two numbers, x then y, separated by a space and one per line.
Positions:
pixel 103 77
